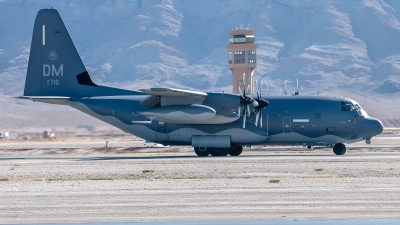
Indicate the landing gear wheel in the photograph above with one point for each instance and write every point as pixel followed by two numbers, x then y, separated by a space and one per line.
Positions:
pixel 339 149
pixel 236 150
pixel 202 152
pixel 220 151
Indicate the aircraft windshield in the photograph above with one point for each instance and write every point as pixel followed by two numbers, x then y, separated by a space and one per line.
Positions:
pixel 353 106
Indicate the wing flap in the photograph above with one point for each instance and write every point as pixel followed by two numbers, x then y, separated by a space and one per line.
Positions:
pixel 171 96
pixel 151 102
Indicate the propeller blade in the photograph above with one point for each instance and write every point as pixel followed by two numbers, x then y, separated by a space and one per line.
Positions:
pixel 257 86
pixel 244 83
pixel 248 88
pixel 285 87
pixel 257 115
pixel 248 110
pixel 240 90
pixel 261 118
pixel 244 119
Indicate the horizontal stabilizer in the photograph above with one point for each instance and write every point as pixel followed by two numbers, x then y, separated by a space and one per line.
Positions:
pixel 59 100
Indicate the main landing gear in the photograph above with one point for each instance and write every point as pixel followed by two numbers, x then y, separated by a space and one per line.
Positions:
pixel 339 149
pixel 234 151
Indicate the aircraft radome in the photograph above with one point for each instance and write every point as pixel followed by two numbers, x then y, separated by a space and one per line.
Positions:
pixel 215 124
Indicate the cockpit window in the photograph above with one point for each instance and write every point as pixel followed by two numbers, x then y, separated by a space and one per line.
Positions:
pixel 352 106
pixel 346 106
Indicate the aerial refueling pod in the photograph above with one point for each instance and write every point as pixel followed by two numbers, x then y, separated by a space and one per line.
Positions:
pixel 183 113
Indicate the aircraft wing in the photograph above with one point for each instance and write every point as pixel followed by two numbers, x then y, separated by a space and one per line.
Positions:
pixel 172 92
pixel 59 100
pixel 171 96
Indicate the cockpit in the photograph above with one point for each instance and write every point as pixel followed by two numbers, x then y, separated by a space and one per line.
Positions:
pixel 351 105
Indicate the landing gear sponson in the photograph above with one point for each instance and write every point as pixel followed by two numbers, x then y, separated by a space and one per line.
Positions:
pixel 203 151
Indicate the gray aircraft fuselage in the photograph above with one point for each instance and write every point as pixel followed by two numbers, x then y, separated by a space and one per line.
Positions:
pixel 213 123
pixel 288 120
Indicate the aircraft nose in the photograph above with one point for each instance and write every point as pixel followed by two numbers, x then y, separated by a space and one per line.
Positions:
pixel 371 127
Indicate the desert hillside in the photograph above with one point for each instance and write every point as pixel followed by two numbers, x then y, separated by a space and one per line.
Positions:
pixel 348 48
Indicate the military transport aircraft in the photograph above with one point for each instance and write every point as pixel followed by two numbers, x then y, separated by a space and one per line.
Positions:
pixel 215 124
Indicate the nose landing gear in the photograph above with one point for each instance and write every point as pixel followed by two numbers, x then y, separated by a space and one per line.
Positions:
pixel 339 149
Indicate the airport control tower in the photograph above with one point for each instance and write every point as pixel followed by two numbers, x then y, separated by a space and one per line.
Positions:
pixel 242 58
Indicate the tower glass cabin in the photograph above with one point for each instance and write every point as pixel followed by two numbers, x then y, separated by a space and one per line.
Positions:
pixel 242 58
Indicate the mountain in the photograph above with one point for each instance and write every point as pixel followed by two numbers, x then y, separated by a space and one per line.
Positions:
pixel 339 47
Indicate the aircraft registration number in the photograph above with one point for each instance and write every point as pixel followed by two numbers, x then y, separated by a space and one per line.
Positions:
pixel 53 82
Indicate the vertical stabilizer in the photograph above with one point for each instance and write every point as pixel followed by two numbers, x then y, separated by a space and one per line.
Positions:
pixel 55 67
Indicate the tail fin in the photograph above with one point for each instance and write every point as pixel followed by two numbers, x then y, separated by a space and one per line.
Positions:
pixel 55 67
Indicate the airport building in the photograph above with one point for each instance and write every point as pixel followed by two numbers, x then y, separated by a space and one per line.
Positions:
pixel 242 58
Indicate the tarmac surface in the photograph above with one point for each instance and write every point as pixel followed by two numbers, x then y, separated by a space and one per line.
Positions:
pixel 331 222
pixel 70 184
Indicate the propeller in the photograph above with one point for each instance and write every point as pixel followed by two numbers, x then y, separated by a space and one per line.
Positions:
pixel 261 103
pixel 297 87
pixel 246 100
pixel 299 91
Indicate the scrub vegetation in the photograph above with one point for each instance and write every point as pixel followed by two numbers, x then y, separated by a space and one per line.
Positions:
pixel 275 181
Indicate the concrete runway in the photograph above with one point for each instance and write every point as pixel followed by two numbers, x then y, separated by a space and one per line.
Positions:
pixel 363 184
pixel 377 142
pixel 179 157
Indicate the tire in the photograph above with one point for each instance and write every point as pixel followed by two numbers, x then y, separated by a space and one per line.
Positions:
pixel 202 152
pixel 339 149
pixel 236 150
pixel 220 151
